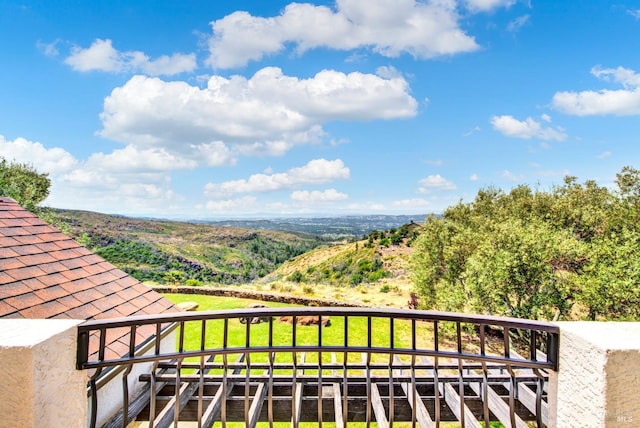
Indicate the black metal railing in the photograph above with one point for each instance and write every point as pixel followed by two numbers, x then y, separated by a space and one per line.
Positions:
pixel 384 366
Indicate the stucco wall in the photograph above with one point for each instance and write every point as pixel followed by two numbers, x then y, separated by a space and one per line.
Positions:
pixel 598 382
pixel 39 383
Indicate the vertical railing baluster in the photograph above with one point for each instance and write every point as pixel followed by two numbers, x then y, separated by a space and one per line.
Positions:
pixel 176 405
pixel 271 374
pixel 247 360
pixel 505 341
pixel 225 368
pixel 294 386
pixel 201 390
pixel 176 408
pixel 436 381
pixel 320 371
pixel 533 345
pixel 513 386
pixel 485 380
pixel 158 338
pixel 345 378
pixel 539 391
pixel 125 395
pixel 125 380
pixel 460 375
pixel 203 339
pixel 414 387
pixel 152 395
pixel 391 384
pixel 368 370
pixel 92 382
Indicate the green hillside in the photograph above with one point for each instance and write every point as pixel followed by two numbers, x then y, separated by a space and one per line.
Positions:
pixel 166 251
pixel 373 271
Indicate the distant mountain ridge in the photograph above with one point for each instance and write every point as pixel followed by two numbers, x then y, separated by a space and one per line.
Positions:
pixel 355 226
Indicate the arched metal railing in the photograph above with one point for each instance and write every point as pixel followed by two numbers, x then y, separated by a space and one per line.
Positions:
pixel 371 365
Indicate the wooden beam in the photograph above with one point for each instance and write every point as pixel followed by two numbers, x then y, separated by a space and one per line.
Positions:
pixel 166 415
pixel 528 398
pixel 256 404
pixel 337 397
pixel 453 400
pixel 298 396
pixel 422 414
pixel 135 406
pixel 214 407
pixel 526 395
pixel 499 408
pixel 376 401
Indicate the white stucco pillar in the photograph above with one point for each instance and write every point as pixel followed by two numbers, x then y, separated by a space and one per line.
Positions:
pixel 598 382
pixel 39 383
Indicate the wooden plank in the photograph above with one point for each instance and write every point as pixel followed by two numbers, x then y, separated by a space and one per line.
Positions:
pixel 422 414
pixel 298 396
pixel 376 402
pixel 499 408
pixel 453 400
pixel 213 409
pixel 167 414
pixel 256 404
pixel 526 395
pixel 135 406
pixel 528 398
pixel 337 397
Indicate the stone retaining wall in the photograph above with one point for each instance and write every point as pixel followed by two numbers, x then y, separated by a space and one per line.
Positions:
pixel 255 295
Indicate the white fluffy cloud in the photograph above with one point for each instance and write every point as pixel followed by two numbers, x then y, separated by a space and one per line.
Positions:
pixel 317 171
pixel 317 196
pixel 625 101
pixel 269 112
pixel 423 29
pixel 526 129
pixel 104 182
pixel 137 160
pixel 102 56
pixel 52 161
pixel 434 183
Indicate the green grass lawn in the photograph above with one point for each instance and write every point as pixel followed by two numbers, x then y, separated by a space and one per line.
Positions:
pixel 305 335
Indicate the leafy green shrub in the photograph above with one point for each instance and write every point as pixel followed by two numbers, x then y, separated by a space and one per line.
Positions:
pixel 376 275
pixel 173 277
pixel 355 279
pixel 296 276
pixel 191 282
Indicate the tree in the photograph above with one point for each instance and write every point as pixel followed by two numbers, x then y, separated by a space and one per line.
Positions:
pixel 23 183
pixel 568 253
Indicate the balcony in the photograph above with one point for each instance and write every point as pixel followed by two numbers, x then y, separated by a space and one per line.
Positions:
pixel 469 371
pixel 389 367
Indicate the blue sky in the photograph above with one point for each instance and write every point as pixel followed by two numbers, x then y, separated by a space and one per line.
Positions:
pixel 221 109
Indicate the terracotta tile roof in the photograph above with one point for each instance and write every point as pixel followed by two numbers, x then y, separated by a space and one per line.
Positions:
pixel 46 274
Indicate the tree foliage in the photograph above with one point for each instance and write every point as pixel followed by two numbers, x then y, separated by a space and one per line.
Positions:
pixel 23 183
pixel 568 253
